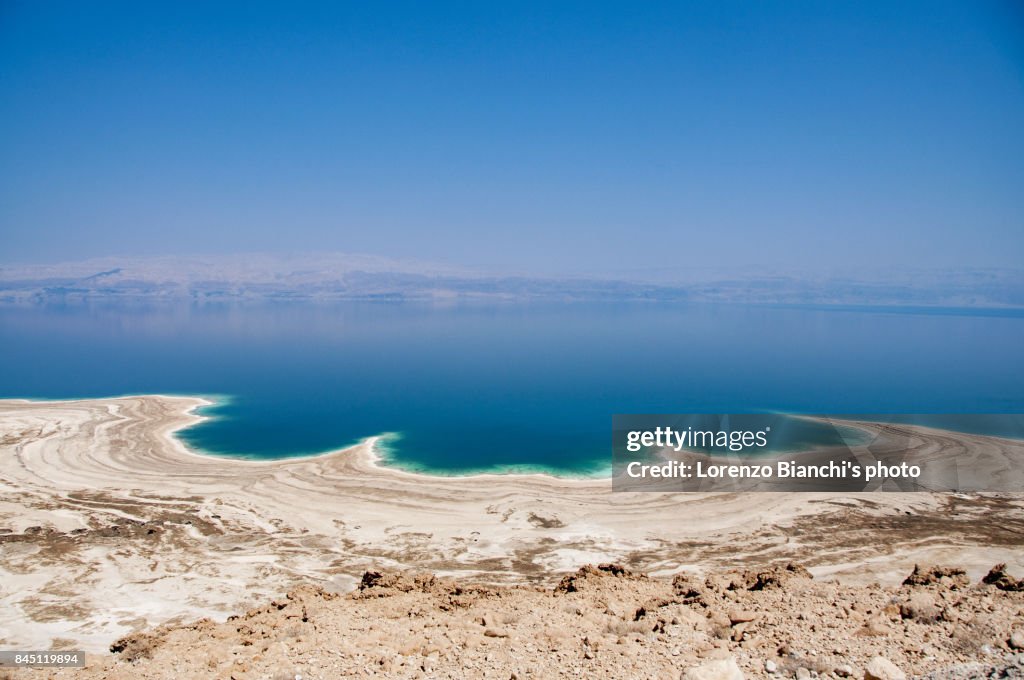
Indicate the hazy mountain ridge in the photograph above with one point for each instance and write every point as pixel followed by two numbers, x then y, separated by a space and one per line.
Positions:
pixel 342 276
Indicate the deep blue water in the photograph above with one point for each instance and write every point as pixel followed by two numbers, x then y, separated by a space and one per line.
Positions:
pixel 473 387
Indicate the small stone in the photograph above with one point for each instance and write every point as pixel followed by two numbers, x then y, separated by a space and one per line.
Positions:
pixel 770 666
pixel 881 668
pixel 720 669
pixel 844 671
pixel 1017 639
pixel 496 632
pixel 803 674
pixel 741 616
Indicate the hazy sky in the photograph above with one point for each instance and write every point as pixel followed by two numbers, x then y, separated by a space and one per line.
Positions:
pixel 538 137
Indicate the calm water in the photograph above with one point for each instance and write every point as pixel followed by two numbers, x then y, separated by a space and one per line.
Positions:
pixel 474 387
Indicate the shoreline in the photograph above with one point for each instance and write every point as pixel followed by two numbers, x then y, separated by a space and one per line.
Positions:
pixel 867 427
pixel 103 508
pixel 379 460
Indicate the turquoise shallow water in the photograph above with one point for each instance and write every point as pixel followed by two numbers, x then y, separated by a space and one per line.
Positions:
pixel 474 388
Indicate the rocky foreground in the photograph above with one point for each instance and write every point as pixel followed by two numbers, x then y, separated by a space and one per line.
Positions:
pixel 601 622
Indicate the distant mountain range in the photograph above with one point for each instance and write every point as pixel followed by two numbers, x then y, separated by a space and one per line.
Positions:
pixel 362 277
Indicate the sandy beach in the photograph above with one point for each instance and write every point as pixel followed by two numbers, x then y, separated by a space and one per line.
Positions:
pixel 108 524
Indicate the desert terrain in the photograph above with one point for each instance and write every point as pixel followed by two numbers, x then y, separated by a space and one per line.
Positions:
pixel 110 527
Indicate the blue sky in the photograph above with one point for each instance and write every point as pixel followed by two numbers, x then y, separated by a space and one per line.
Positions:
pixel 531 137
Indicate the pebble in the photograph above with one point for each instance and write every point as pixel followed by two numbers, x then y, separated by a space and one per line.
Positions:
pixel 770 666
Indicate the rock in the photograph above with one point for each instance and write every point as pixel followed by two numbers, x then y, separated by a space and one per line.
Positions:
pixel 720 669
pixel 573 582
pixel 384 584
pixel 881 668
pixel 775 577
pixel 920 607
pixel 412 646
pixel 496 632
pixel 874 627
pixel 136 646
pixel 998 577
pixel 770 666
pixel 844 671
pixel 719 625
pixel 689 591
pixel 803 674
pixel 928 575
pixel 742 616
pixel 1016 640
pixel 718 620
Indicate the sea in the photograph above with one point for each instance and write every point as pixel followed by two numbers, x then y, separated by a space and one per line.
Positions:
pixel 455 387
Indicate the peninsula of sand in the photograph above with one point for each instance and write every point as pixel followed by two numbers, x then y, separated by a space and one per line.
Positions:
pixel 110 525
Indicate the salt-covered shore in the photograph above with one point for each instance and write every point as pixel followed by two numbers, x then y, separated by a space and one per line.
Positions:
pixel 109 524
